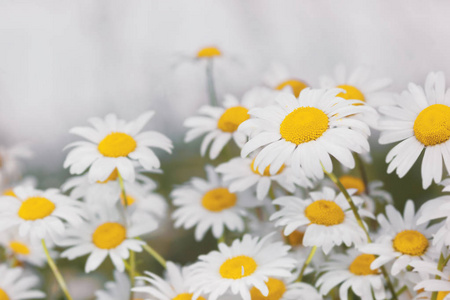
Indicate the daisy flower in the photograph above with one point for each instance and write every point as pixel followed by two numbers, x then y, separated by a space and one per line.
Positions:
pixel 240 267
pixel 220 124
pixel 174 285
pixel 119 289
pixel 442 286
pixel 402 240
pixel 433 209
pixel 304 132
pixel 240 174
pixel 38 214
pixel 115 144
pixel 105 234
pixel 352 271
pixel 15 285
pixel 420 120
pixel 209 204
pixel 328 217
pixel 279 78
pixel 286 289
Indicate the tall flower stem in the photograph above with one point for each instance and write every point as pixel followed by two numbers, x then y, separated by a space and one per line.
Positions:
pixel 362 172
pixel 155 255
pixel 210 82
pixel 56 271
pixel 307 262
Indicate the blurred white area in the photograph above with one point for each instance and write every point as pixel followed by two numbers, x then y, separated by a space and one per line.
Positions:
pixel 63 61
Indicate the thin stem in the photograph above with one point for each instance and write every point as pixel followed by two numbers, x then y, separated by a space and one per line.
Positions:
pixel 400 291
pixel 210 83
pixel 221 239
pixel 122 188
pixel 307 261
pixel 56 272
pixel 363 173
pixel 155 254
pixel 128 268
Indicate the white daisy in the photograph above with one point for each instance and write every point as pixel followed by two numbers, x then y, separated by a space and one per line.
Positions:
pixel 328 217
pixel 11 165
pixel 420 120
pixel 442 286
pixel 104 234
pixel 119 289
pixel 286 289
pixel 279 78
pixel 220 124
pixel 15 285
pixel 114 143
pixel 240 174
pixel 304 132
pixel 352 270
pixel 402 240
pixel 239 267
pixel 209 204
pixel 39 214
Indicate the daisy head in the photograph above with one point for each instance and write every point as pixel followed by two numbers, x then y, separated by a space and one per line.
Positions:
pixel 401 241
pixel 115 144
pixel 247 263
pixel 286 289
pixel 209 204
pixel 304 132
pixel 38 214
pixel 209 52
pixel 430 285
pixel 119 289
pixel 328 218
pixel 279 78
pixel 15 285
pixel 419 120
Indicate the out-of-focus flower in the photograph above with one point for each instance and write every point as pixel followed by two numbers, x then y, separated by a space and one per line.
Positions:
pixel 119 289
pixel 442 286
pixel 279 78
pixel 11 165
pixel 15 285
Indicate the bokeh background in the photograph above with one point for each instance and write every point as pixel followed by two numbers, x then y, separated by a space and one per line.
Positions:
pixel 64 61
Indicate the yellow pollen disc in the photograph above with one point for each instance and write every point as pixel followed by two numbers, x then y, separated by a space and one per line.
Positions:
pixel 432 125
pixel 325 212
pixel 230 120
pixel 238 267
pixel 276 287
pixel 9 192
pixel 113 176
pixel 351 93
pixel 441 295
pixel 410 242
pixel 303 125
pixel 186 296
pixel 19 248
pixel 296 85
pixel 296 238
pixel 266 170
pixel 3 295
pixel 351 182
pixel 109 235
pixel 361 265
pixel 208 52
pixel 218 199
pixel 35 208
pixel 117 144
pixel 130 200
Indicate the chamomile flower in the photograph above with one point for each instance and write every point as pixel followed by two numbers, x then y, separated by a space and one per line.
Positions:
pixel 174 285
pixel 240 174
pixel 304 132
pixel 15 285
pixel 11 165
pixel 402 240
pixel 419 120
pixel 247 263
pixel 328 217
pixel 38 214
pixel 279 78
pixel 436 209
pixel 220 124
pixel 442 286
pixel 286 289
pixel 105 234
pixel 210 204
pixel 352 271
pixel 115 144
pixel 119 289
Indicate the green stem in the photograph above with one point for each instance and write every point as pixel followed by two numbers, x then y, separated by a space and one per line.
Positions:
pixel 441 264
pixel 56 271
pixel 128 268
pixel 400 291
pixel 210 83
pixel 221 239
pixel 155 255
pixel 307 261
pixel 363 173
pixel 122 188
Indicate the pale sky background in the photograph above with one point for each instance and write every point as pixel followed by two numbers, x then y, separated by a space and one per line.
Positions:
pixel 63 61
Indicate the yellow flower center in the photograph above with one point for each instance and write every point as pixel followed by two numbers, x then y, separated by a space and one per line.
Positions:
pixel 296 85
pixel 351 93
pixel 208 52
pixel 117 144
pixel 441 295
pixel 351 182
pixel 325 212
pixel 303 125
pixel 218 199
pixel 276 287
pixel 432 125
pixel 238 267
pixel 113 176
pixel 410 242
pixel 35 208
pixel 230 120
pixel 130 200
pixel 109 235
pixel 3 295
pixel 186 296
pixel 296 238
pixel 19 248
pixel 9 192
pixel 266 170
pixel 361 265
